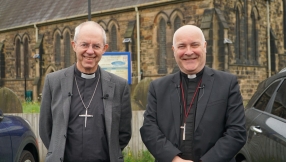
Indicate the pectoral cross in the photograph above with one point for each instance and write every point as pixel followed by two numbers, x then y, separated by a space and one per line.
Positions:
pixel 86 116
pixel 184 130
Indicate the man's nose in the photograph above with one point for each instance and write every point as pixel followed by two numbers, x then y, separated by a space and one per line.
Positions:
pixel 90 49
pixel 189 50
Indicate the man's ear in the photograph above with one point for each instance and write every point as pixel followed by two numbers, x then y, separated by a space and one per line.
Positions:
pixel 105 47
pixel 73 45
pixel 205 46
pixel 173 48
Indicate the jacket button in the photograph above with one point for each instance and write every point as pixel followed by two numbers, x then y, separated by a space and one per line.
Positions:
pixel 65 136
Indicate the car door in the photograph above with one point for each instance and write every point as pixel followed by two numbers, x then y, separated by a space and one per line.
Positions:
pixel 5 140
pixel 258 128
pixel 277 123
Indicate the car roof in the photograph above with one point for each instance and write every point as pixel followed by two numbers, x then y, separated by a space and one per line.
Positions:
pixel 279 75
pixel 283 70
pixel 264 84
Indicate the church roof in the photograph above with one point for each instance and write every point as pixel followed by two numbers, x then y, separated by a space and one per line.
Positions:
pixel 20 13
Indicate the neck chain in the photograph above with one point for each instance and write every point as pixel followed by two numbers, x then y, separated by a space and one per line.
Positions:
pixel 86 107
pixel 187 111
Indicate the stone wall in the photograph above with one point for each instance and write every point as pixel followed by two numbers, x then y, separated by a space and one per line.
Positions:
pixel 190 13
pixel 249 78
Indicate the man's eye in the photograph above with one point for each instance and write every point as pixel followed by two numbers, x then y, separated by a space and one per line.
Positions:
pixel 96 46
pixel 195 45
pixel 84 45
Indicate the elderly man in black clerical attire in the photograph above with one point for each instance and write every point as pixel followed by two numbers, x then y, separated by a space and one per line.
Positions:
pixel 196 114
pixel 85 111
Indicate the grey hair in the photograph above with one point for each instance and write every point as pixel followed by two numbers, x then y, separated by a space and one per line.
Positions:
pixel 77 29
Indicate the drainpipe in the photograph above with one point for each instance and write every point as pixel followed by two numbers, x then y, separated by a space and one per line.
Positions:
pixel 268 39
pixel 138 44
pixel 37 51
pixel 37 64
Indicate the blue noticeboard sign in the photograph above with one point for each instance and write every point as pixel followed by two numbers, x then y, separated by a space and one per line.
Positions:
pixel 118 63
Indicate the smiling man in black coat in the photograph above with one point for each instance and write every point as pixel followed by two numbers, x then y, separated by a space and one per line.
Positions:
pixel 196 114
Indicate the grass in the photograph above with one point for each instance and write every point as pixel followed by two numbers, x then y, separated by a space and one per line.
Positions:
pixel 143 156
pixel 31 107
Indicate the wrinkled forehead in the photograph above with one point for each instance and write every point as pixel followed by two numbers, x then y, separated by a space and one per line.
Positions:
pixel 90 33
pixel 89 28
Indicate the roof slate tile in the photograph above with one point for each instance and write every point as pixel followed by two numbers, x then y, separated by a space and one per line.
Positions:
pixel 15 13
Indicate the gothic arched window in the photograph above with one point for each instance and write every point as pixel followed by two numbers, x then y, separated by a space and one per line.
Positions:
pixel 284 22
pixel 57 48
pixel 26 57
pixel 113 39
pixel 67 49
pixel 254 40
pixel 2 61
pixel 177 23
pixel 18 58
pixel 162 46
pixel 237 40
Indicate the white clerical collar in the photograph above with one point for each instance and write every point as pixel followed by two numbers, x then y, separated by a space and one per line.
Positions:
pixel 192 76
pixel 87 76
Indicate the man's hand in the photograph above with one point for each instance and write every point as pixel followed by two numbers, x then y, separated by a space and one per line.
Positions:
pixel 178 159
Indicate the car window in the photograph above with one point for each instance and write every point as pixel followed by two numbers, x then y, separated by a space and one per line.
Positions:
pixel 279 106
pixel 265 97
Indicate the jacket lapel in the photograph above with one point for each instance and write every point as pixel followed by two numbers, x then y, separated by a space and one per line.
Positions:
pixel 204 94
pixel 107 88
pixel 67 85
pixel 175 101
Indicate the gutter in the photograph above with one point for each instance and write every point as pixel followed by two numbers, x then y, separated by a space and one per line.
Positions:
pixel 138 44
pixel 268 39
pixel 99 13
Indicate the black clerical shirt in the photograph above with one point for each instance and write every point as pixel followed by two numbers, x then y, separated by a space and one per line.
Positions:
pixel 86 144
pixel 189 88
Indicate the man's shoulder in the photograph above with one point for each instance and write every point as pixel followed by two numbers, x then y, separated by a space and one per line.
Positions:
pixel 221 73
pixel 60 72
pixel 164 79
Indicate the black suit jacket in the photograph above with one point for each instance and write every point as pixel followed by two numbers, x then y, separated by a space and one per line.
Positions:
pixel 219 123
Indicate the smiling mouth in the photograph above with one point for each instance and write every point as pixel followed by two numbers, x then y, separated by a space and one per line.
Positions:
pixel 189 58
pixel 89 58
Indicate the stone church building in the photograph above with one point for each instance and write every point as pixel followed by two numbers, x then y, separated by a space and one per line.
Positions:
pixel 244 37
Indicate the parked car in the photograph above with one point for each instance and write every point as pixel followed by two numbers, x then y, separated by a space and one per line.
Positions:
pixel 17 140
pixel 266 122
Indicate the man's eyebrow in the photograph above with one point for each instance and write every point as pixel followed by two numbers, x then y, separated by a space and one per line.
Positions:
pixel 195 42
pixel 181 44
pixel 89 43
